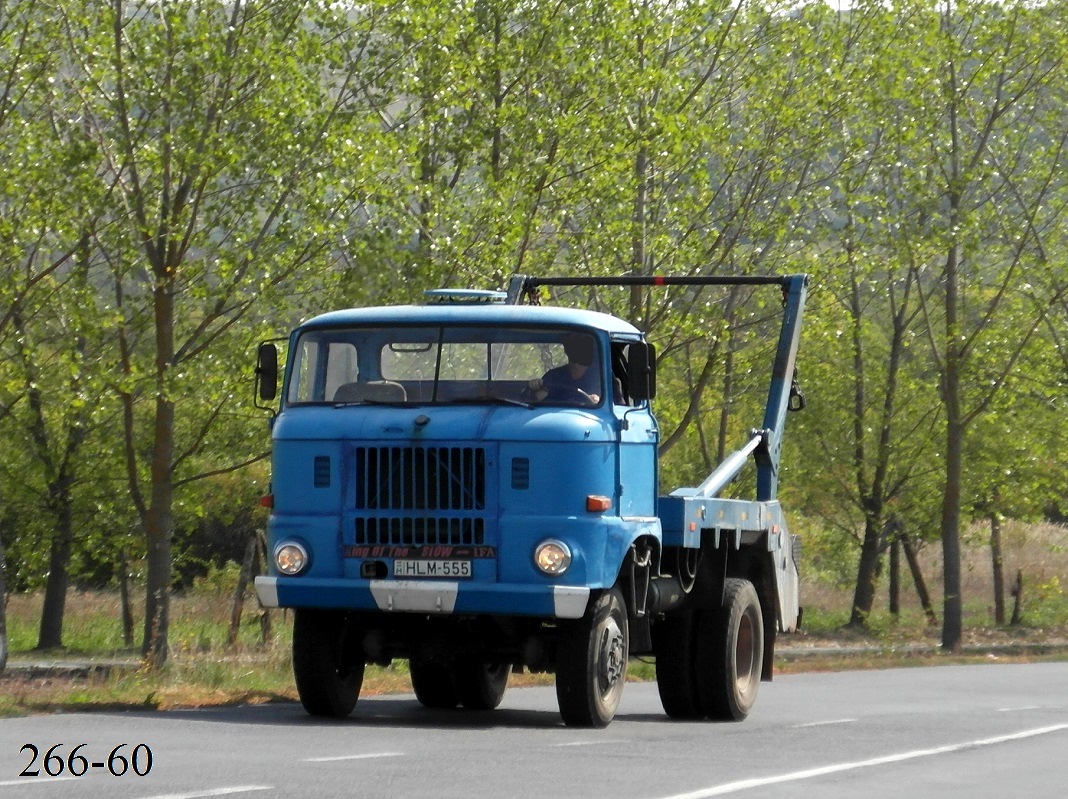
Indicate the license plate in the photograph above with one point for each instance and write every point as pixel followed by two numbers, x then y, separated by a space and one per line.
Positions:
pixel 432 568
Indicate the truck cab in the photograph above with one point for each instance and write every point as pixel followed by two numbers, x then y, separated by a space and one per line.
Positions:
pixel 440 459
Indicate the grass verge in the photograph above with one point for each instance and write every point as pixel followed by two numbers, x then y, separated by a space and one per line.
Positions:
pixel 98 673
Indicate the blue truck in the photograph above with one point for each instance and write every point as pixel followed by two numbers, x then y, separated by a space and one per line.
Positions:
pixel 471 484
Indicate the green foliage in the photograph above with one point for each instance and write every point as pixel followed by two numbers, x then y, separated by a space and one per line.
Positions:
pixel 828 555
pixel 219 171
pixel 1048 605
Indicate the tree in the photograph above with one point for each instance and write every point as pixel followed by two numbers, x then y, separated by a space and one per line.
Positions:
pixel 222 130
pixel 871 233
pixel 58 409
pixel 996 171
pixel 33 192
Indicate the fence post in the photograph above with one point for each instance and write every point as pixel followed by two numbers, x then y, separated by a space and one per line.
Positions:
pixel 260 567
pixel 239 592
pixel 1017 600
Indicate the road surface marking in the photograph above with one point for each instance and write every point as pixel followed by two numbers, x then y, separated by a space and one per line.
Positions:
pixel 760 782
pixel 352 757
pixel 207 792
pixel 589 743
pixel 823 723
pixel 35 781
pixel 1015 709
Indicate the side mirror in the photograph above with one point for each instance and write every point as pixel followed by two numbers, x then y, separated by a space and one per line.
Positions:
pixel 641 371
pixel 267 371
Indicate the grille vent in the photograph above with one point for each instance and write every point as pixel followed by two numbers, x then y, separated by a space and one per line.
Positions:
pixel 420 495
pixel 520 473
pixel 321 471
pixel 420 532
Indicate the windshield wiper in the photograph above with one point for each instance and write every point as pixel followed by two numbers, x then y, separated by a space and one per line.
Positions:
pixel 491 399
pixel 350 403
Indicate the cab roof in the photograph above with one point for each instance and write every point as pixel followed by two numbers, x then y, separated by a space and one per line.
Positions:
pixel 470 314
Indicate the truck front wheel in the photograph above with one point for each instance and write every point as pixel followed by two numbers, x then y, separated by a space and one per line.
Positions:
pixel 591 665
pixel 730 651
pixel 327 661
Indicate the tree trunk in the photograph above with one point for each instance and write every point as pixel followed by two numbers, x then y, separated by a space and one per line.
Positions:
pixel 3 609
pixel 867 568
pixel 868 563
pixel 636 312
pixel 895 577
pixel 50 633
pixel 998 568
pixel 728 400
pixel 158 517
pixel 952 604
pixel 917 578
pixel 158 533
pixel 62 479
pixel 124 601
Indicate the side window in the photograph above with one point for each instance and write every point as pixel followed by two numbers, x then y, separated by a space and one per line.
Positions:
pixel 620 389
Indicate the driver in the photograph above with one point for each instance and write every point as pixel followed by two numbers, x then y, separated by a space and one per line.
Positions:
pixel 575 380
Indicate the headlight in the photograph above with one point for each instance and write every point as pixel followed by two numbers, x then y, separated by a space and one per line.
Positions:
pixel 552 557
pixel 290 558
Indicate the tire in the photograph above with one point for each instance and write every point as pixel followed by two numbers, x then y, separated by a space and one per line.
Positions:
pixel 675 646
pixel 730 652
pixel 433 684
pixel 480 685
pixel 591 665
pixel 327 661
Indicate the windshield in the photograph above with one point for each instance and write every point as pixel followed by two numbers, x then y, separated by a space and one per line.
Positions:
pixel 438 365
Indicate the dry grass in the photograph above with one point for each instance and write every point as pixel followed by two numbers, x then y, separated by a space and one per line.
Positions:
pixel 1037 551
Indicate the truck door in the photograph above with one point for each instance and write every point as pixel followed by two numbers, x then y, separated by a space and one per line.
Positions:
pixel 639 437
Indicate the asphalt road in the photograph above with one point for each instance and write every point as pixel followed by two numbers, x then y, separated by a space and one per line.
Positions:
pixel 953 731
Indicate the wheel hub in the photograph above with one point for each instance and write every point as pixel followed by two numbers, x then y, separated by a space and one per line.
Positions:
pixel 744 653
pixel 611 655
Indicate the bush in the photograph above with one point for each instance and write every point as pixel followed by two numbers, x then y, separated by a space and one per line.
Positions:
pixel 218 580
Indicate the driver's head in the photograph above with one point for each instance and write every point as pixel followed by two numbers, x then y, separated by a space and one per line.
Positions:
pixel 579 349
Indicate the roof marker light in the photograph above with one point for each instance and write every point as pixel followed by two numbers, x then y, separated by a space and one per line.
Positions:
pixel 464 297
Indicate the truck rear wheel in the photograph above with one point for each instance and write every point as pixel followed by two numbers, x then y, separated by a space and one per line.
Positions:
pixel 327 661
pixel 591 665
pixel 433 684
pixel 730 651
pixel 675 645
pixel 480 685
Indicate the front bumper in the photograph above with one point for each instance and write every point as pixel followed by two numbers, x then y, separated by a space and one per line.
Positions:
pixel 425 596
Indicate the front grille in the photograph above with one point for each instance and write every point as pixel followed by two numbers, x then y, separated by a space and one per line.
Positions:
pixel 420 478
pixel 413 496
